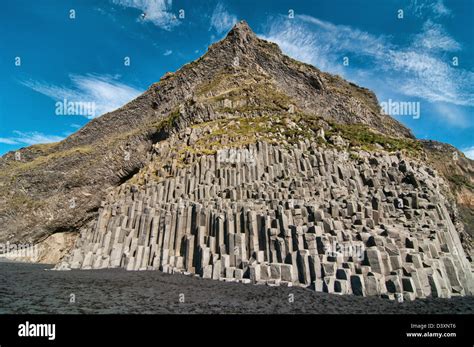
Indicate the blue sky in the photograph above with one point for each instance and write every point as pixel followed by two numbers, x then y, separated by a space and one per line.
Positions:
pixel 105 53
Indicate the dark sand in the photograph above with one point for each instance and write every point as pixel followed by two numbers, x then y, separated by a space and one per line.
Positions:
pixel 29 288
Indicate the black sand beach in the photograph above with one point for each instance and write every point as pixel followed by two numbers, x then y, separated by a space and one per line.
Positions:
pixel 30 289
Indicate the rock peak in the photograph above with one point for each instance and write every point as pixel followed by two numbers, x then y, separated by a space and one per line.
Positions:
pixel 241 26
pixel 241 33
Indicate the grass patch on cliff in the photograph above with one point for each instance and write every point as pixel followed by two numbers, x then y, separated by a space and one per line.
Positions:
pixel 236 131
pixel 286 128
pixel 247 93
pixel 20 200
pixel 168 122
pixel 20 166
pixel 460 181
pixel 362 136
pixel 214 83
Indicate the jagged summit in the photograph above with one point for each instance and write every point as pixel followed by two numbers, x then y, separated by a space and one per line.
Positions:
pixel 242 30
pixel 241 27
pixel 312 90
pixel 242 37
pixel 245 85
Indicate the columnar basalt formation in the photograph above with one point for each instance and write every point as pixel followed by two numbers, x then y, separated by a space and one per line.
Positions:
pixel 300 215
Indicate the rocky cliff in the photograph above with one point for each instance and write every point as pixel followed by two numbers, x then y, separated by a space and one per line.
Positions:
pixel 247 165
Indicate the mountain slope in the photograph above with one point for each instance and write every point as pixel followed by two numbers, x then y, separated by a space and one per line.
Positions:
pixel 248 165
pixel 37 191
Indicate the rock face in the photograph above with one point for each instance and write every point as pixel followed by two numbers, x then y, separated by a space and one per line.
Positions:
pixel 247 166
pixel 48 251
pixel 459 172
pixel 38 184
pixel 302 215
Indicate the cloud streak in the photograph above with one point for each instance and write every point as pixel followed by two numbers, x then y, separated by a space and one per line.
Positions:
pixel 105 92
pixel 435 37
pixel 469 152
pixel 429 8
pixel 156 11
pixel 29 138
pixel 418 69
pixel 222 20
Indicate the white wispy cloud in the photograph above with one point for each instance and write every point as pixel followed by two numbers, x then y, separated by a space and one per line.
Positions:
pixel 435 37
pixel 417 69
pixel 302 44
pixel 321 43
pixel 221 19
pixel 429 8
pixel 469 152
pixel 29 138
pixel 156 11
pixel 8 141
pixel 168 52
pixel 105 92
pixel 452 114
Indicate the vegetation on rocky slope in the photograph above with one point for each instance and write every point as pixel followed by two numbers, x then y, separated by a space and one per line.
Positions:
pixel 360 135
pixel 266 96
